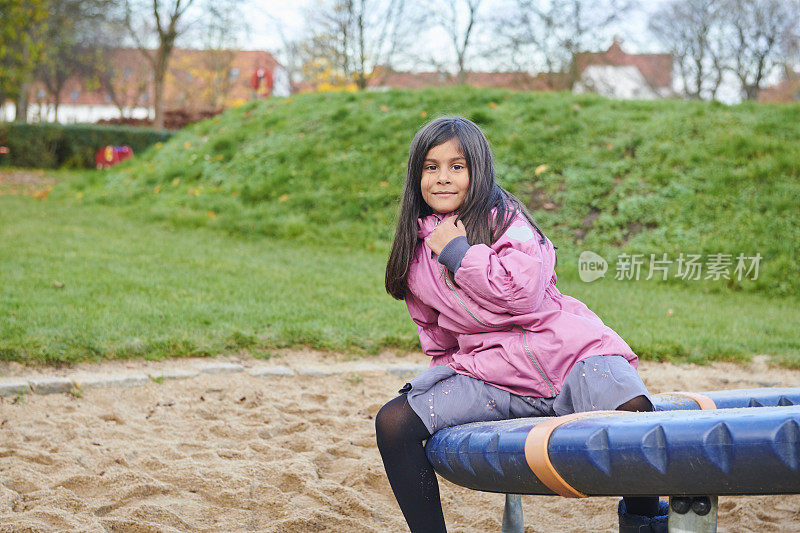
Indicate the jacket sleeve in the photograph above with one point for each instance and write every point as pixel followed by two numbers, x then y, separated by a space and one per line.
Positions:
pixel 434 339
pixel 511 275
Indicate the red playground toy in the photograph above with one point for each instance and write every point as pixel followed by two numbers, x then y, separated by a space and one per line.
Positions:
pixel 108 156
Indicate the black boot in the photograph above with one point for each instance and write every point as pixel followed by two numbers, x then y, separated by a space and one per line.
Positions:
pixel 634 523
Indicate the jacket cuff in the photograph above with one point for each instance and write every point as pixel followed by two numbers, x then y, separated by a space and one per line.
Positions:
pixel 453 253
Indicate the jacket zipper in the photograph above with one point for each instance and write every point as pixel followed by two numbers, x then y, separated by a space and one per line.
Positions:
pixel 479 321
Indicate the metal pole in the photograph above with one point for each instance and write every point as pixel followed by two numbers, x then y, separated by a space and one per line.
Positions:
pixel 689 514
pixel 513 521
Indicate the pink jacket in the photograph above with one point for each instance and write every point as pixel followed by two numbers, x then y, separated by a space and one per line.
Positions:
pixel 505 322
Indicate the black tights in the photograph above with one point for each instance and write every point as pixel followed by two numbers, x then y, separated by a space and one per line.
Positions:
pixel 400 433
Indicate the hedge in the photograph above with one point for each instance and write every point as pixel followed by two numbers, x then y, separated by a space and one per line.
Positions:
pixel 46 145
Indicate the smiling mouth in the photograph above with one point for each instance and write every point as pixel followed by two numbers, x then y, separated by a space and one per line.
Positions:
pixel 444 193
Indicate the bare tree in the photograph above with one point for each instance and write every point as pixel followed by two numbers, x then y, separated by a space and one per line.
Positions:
pixel 790 50
pixel 100 37
pixel 70 44
pixel 290 57
pixel 459 18
pixel 125 89
pixel 218 64
pixel 289 52
pixel 755 30
pixel 216 33
pixel 162 21
pixel 547 35
pixel 322 60
pixel 349 38
pixel 692 31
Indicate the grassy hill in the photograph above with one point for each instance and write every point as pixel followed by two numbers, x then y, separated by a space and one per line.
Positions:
pixel 268 226
pixel 640 177
pixel 83 282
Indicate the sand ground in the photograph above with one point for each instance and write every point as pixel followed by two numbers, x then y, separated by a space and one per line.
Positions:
pixel 240 453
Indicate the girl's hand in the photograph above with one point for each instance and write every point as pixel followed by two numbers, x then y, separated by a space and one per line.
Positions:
pixel 444 233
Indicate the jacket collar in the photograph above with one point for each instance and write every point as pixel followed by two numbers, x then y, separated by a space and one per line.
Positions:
pixel 426 225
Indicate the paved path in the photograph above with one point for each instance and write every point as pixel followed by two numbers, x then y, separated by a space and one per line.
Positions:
pixel 81 380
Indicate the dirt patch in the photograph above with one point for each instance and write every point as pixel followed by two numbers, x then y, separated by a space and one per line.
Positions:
pixel 539 199
pixel 586 224
pixel 635 228
pixel 34 183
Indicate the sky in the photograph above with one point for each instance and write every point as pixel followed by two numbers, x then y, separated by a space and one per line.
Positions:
pixel 262 16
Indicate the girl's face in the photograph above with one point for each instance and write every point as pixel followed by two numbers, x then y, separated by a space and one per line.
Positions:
pixel 445 178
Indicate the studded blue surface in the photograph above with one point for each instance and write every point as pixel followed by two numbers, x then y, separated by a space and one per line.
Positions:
pixel 731 399
pixel 755 398
pixel 682 452
pixel 488 456
pixel 730 451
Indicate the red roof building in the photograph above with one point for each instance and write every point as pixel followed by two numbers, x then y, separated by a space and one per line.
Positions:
pixel 785 91
pixel 612 73
pixel 618 74
pixel 388 78
pixel 197 80
pixel 656 69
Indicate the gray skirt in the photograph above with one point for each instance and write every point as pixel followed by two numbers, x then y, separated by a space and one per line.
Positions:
pixel 442 398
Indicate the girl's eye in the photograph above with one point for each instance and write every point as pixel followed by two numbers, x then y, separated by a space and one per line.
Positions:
pixel 458 167
pixel 430 167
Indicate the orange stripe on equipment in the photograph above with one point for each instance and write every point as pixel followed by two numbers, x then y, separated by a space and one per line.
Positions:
pixel 702 401
pixel 538 457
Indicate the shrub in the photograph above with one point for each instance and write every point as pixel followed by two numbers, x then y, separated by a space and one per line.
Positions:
pixel 57 145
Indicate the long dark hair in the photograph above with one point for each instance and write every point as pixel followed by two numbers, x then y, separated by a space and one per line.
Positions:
pixel 483 196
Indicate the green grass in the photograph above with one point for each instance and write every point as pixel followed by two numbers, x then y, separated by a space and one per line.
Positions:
pixel 149 290
pixel 268 226
pixel 664 322
pixel 133 288
pixel 640 176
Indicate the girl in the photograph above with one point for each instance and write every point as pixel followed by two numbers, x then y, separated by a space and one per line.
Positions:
pixel 478 278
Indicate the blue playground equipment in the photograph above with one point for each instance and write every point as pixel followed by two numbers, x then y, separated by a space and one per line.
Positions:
pixel 693 448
